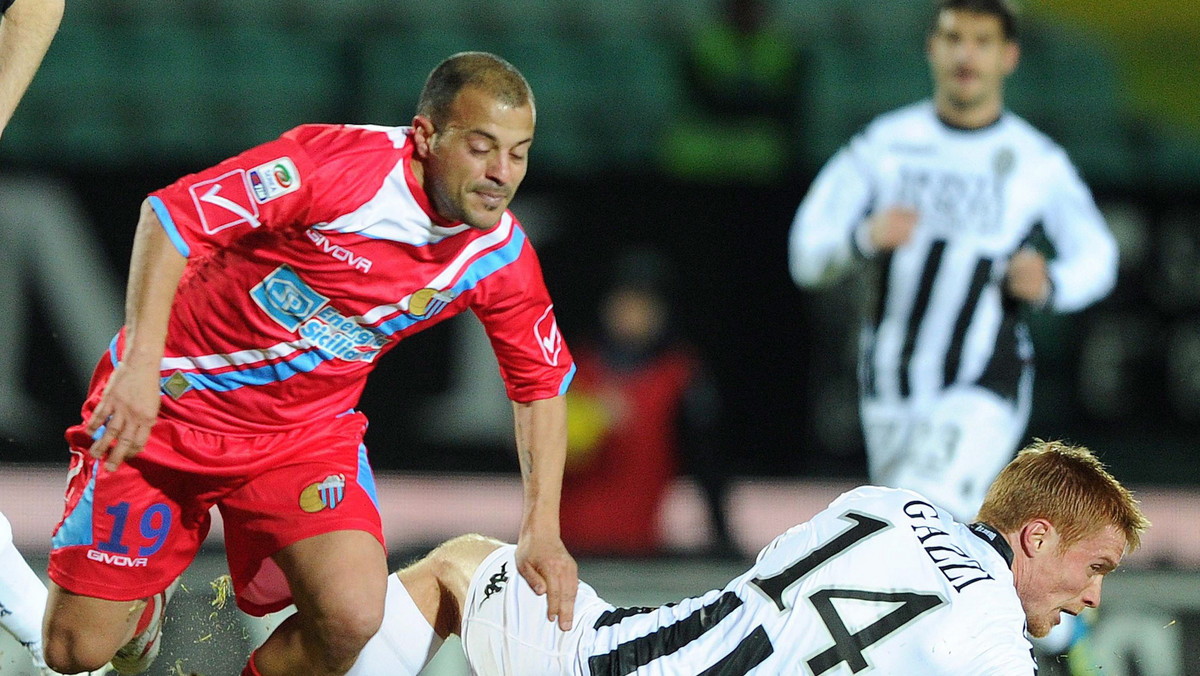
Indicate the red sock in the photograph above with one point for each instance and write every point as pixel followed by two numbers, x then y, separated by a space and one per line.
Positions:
pixel 250 669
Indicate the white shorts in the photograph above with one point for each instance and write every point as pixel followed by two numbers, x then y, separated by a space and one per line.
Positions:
pixel 505 631
pixel 949 450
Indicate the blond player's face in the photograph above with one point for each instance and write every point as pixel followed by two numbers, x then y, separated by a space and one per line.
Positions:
pixel 969 58
pixel 478 158
pixel 1069 580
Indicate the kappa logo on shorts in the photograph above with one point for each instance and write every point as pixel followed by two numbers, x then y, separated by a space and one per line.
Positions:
pixel 325 494
pixel 495 583
pixel 286 298
pixel 274 179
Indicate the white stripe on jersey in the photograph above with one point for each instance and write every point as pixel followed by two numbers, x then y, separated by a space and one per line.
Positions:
pixel 980 195
pixel 447 274
pixel 209 362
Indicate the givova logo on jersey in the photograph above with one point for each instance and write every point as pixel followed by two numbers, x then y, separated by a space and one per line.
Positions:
pixel 294 305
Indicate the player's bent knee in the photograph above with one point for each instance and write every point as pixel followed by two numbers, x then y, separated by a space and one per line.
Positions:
pixel 461 555
pixel 346 628
pixel 70 651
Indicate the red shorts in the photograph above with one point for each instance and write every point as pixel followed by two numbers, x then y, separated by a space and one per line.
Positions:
pixel 128 534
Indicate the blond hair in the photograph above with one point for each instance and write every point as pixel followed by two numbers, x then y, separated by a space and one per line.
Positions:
pixel 1069 487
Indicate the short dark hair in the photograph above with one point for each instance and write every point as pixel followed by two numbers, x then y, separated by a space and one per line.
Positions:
pixel 488 72
pixel 1001 9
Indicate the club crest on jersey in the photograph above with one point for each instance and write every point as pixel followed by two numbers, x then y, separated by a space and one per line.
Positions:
pixel 548 337
pixel 428 302
pixel 286 298
pixel 325 494
pixel 274 179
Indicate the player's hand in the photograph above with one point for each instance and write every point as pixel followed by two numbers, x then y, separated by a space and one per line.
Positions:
pixel 1027 278
pixel 892 227
pixel 126 412
pixel 549 569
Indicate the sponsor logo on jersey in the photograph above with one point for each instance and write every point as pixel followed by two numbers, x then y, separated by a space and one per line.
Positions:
pixel 224 202
pixel 338 335
pixel 274 179
pixel 325 494
pixel 341 253
pixel 294 305
pixel 121 560
pixel 548 337
pixel 495 583
pixel 427 302
pixel 286 298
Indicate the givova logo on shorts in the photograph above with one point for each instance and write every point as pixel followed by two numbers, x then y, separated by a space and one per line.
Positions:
pixel 325 494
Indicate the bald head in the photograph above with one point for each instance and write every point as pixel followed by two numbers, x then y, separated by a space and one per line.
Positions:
pixel 488 73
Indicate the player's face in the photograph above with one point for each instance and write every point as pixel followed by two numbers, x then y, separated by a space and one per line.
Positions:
pixel 476 160
pixel 1068 580
pixel 970 58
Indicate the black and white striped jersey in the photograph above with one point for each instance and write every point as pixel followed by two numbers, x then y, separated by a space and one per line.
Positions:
pixel 878 583
pixel 941 315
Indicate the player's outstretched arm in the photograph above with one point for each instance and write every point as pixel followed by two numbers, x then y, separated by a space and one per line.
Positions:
pixel 129 405
pixel 25 34
pixel 424 605
pixel 542 559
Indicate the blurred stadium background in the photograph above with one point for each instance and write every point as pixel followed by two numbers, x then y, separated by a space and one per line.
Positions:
pixel 135 93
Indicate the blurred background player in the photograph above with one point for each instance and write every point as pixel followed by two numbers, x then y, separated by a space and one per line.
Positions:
pixel 642 410
pixel 262 291
pixel 824 593
pixel 944 200
pixel 26 29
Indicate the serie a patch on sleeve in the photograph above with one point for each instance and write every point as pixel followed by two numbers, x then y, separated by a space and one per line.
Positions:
pixel 274 179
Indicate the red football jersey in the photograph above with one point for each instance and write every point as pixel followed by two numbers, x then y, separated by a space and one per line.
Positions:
pixel 312 255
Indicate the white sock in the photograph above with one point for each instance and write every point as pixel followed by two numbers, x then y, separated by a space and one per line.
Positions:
pixel 22 595
pixel 405 642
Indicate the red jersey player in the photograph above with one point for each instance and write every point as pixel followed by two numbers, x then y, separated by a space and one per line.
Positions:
pixel 261 293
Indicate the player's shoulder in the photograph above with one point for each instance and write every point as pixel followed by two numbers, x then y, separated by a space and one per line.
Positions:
pixel 880 499
pixel 906 121
pixel 1020 131
pixel 323 140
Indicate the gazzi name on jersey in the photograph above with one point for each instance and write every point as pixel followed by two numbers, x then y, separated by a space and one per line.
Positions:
pixel 956 565
pixel 336 334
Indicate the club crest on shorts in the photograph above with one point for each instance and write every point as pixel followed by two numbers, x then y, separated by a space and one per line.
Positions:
pixel 325 494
